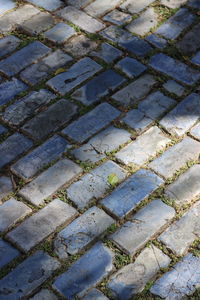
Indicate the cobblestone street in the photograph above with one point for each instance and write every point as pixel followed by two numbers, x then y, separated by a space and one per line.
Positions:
pixel 99 149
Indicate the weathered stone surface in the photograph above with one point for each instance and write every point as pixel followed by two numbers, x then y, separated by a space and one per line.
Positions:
pixel 6 186
pixel 10 212
pixel 8 44
pixel 91 122
pixel 131 67
pixel 145 146
pixel 195 131
pixel 60 33
pixel 137 120
pixel 44 294
pixel 94 184
pixel 136 46
pixel 194 4
pixel 143 23
pixel 81 19
pixel 39 226
pixel 98 8
pixel 2 129
pixel 134 234
pixel 8 253
pixel 79 3
pixel 182 233
pixel 41 156
pixel 156 41
pixel 176 157
pixel 135 91
pixel 11 88
pixel 155 105
pixel 39 71
pixel 104 142
pixel 84 230
pixel 174 68
pixel 181 281
pixel 183 116
pixel 107 52
pixel 79 72
pixel 50 120
pixel 95 294
pixel 12 147
pixel 81 276
pixel 7 5
pixel 116 34
pixel 173 3
pixel 131 279
pixel 174 88
pixel 196 59
pixel 23 58
pixel 190 42
pixel 135 6
pixel 28 276
pixel 131 192
pixel 50 5
pixel 117 17
pixel 98 87
pixel 186 187
pixel 37 23
pixel 50 181
pixel 80 45
pixel 18 112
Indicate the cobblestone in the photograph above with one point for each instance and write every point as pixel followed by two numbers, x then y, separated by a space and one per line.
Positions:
pixel 135 7
pixel 99 8
pixel 51 5
pixel 117 17
pixel 44 294
pixel 131 67
pixel 107 52
pixel 190 42
pixel 8 253
pixel 11 88
pixel 80 45
pixel 174 88
pixel 137 120
pixel 5 186
pixel 6 6
pixel 8 44
pixel 60 33
pixel 95 294
pixel 195 131
pixel 156 41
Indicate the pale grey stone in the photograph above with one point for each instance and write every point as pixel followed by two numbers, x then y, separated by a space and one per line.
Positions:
pixel 50 5
pixel 135 6
pixel 37 24
pixel 95 294
pixel 50 181
pixel 134 234
pixel 6 186
pixel 195 131
pixel 147 145
pixel 176 157
pixel 80 45
pixel 8 44
pixel 99 8
pixel 173 87
pixel 117 17
pixel 173 3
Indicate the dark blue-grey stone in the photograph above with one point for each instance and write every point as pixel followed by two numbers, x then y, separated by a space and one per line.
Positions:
pixel 107 52
pixel 27 276
pixel 156 41
pixel 116 34
pixel 137 120
pixel 50 5
pixel 2 129
pixel 131 192
pixel 13 146
pixel 7 253
pixel 131 67
pixel 30 164
pixel 60 33
pixel 174 68
pixel 98 87
pixel 8 44
pixel 10 89
pixel 136 46
pixel 174 88
pixel 85 273
pixel 194 4
pixel 196 59
pixel 79 72
pixel 92 122
pixel 23 58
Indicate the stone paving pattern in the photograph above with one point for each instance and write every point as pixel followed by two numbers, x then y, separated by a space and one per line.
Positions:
pixel 99 149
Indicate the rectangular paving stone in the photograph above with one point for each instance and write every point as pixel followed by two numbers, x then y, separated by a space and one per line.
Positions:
pixel 173 87
pixel 174 68
pixel 131 192
pixel 81 276
pixel 12 147
pixel 84 230
pixel 50 5
pixel 135 6
pixel 40 225
pixel 41 156
pixel 50 120
pixel 145 224
pixel 156 41
pixel 186 187
pixel 137 120
pixel 135 91
pixel 136 46
pixel 131 67
pixel 183 116
pixel 124 285
pixel 182 280
pixel 176 157
pixel 23 58
pixel 6 186
pixel 181 234
pixel 50 181
pixel 12 211
pixel 143 148
pixel 60 33
pixel 104 142
pixel 7 5
pixel 117 17
pixel 116 34
pixel 99 8
pixel 190 43
pixel 79 72
pixel 79 3
pixel 8 253
pixel 196 59
pixel 44 294
pixel 94 184
pixel 17 113
pixel 173 3
pixel 91 122
pixel 98 87
pixel 174 26
pixel 28 276
pixel 11 88
pixel 95 294
pixel 41 70
pixel 195 131
pixel 8 44
pixel 80 45
pixel 81 19
pixel 107 52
